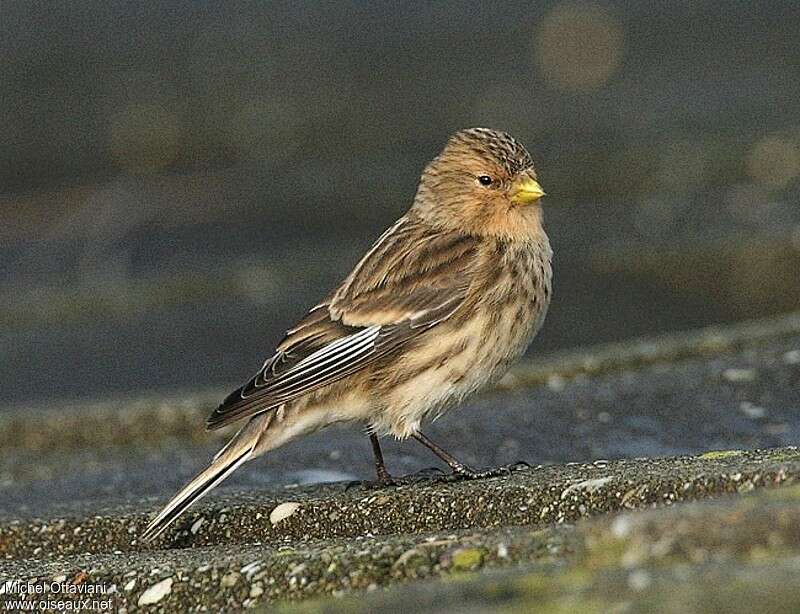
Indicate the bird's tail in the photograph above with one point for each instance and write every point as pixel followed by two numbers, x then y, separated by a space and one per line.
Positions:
pixel 227 460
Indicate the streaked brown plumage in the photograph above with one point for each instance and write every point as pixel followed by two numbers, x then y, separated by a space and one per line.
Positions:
pixel 440 305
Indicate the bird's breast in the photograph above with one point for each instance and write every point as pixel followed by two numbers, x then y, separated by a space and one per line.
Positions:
pixel 516 298
pixel 506 307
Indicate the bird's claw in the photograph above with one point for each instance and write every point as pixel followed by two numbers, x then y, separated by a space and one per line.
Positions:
pixel 435 474
pixel 373 484
pixel 468 473
pixel 429 473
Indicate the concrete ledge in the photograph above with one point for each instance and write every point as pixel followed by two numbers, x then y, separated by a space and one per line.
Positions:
pixel 531 497
pixel 338 538
pixel 357 539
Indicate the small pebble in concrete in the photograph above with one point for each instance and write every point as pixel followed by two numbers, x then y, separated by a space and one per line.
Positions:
pixel 792 357
pixel 256 590
pixel 283 511
pixel 156 592
pixel 197 524
pixel 589 486
pixel 251 569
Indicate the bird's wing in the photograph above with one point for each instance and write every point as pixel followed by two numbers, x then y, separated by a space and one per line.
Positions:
pixel 411 279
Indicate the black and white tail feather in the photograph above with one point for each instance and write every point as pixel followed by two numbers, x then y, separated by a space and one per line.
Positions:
pixel 227 460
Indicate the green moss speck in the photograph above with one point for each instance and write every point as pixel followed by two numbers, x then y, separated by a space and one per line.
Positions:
pixel 719 454
pixel 467 559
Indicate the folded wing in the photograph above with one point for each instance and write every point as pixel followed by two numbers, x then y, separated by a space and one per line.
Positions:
pixel 412 279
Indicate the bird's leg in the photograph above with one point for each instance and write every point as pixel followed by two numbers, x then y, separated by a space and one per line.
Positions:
pixel 384 477
pixel 456 465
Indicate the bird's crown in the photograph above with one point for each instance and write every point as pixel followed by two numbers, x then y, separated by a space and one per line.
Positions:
pixel 498 146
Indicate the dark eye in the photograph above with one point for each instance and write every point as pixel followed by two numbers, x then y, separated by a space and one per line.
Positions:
pixel 485 180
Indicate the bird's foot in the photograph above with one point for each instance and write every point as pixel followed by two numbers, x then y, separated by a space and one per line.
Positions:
pixel 429 474
pixel 384 480
pixel 466 472
pixel 435 474
pixel 371 484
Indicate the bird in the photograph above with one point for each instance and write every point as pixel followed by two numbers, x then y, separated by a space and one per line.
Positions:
pixel 439 307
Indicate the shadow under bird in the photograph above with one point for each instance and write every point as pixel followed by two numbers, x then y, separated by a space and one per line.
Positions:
pixel 443 302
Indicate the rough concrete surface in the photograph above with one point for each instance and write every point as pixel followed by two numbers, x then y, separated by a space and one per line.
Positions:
pixel 731 555
pixel 672 507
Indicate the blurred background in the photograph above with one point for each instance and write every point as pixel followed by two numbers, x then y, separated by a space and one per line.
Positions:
pixel 179 181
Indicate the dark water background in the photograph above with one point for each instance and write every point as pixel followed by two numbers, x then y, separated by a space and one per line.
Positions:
pixel 179 181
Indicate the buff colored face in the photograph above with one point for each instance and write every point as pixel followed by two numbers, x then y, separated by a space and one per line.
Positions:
pixel 483 171
pixel 496 184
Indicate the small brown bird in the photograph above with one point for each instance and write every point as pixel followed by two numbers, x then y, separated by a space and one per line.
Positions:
pixel 440 306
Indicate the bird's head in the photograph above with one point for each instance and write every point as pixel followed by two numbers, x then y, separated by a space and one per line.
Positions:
pixel 482 182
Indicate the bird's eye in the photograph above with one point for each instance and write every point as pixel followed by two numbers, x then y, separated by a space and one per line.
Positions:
pixel 485 180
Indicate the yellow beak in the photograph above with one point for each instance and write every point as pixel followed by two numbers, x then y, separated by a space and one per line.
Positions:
pixel 525 190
